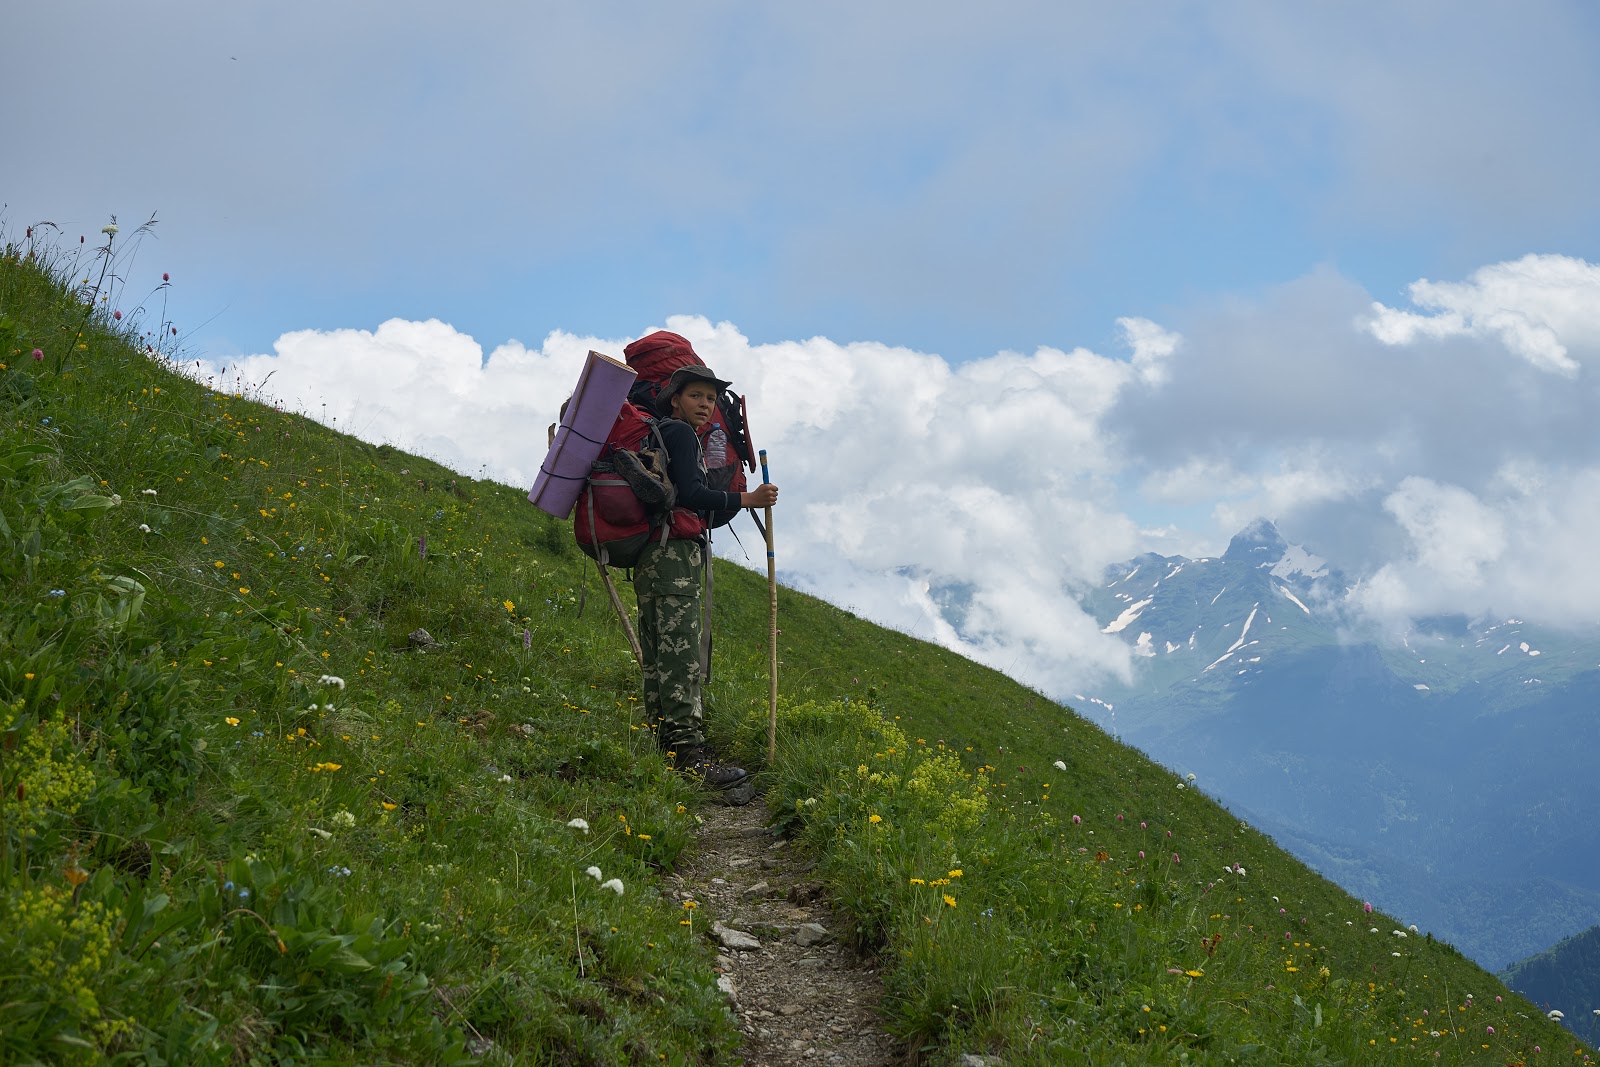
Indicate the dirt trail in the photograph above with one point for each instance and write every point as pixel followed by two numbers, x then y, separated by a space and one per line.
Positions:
pixel 801 997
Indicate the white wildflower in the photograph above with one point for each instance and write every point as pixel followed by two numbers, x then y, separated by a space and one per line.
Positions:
pixel 147 492
pixel 109 229
pixel 1396 955
pixel 1413 929
pixel 579 824
pixel 331 679
pixel 342 818
pixel 594 872
pixel 615 885
pixel 1555 1015
pixel 1239 869
pixel 1182 786
pixel 505 778
pixel 1060 765
pixel 1373 930
pixel 143 528
pixel 1189 777
pixel 1402 933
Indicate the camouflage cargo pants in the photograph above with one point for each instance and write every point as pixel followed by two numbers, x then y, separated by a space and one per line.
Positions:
pixel 669 581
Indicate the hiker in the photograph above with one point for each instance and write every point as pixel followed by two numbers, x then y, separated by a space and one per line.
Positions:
pixel 670 576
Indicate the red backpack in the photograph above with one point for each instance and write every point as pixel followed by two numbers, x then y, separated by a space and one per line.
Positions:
pixel 725 440
pixel 629 497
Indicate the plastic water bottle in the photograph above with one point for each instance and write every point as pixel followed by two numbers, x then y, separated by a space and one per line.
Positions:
pixel 716 446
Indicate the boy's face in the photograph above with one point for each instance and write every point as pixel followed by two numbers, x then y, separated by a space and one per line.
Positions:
pixel 695 403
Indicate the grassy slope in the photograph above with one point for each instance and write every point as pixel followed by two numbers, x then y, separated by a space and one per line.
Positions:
pixel 172 762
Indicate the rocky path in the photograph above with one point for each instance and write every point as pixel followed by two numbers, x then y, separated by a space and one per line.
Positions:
pixel 801 996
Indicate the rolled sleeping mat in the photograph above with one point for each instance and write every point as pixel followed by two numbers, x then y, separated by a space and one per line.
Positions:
pixel 601 390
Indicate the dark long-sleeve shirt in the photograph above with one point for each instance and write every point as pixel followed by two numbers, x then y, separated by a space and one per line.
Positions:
pixel 683 464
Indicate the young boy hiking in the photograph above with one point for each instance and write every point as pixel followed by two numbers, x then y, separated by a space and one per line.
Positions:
pixel 670 577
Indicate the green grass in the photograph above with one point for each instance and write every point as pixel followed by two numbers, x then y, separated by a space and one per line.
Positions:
pixel 209 854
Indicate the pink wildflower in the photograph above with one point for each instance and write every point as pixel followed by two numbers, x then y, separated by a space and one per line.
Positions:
pixel 38 354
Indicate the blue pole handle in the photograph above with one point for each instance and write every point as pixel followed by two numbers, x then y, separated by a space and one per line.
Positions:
pixel 766 479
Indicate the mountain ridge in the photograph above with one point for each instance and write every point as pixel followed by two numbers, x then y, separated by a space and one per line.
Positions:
pixel 1251 668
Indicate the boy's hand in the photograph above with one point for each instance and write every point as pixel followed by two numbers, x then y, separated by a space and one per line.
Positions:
pixel 763 496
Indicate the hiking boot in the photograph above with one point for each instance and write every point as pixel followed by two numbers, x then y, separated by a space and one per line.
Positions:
pixel 700 761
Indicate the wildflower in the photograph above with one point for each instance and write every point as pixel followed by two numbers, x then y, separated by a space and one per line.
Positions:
pixel 1366 906
pixel 330 679
pixel 56 592
pixel 109 229
pixel 615 885
pixel 1076 820
pixel 388 806
pixel 505 778
pixel 339 872
pixel 579 824
pixel 143 528
pixel 1490 1029
pixel 1188 777
pixel 117 315
pixel 1182 786
pixel 323 834
pixel 527 639
pixel 342 818
pixel 918 881
pixel 38 354
pixel 1396 955
pixel 1141 853
pixel 1412 928
pixel 1195 973
pixel 165 276
pixel 593 872
pixel 689 905
pixel 1402 933
pixel 1373 930
pixel 956 873
pixel 510 607
pixel 1060 765
pixel 231 721
pixel 875 819
pixel 949 900
pixel 1175 858
pixel 148 492
pixel 1555 1015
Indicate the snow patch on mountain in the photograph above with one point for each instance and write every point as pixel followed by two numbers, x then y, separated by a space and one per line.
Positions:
pixel 1122 621
pixel 1296 560
pixel 1294 598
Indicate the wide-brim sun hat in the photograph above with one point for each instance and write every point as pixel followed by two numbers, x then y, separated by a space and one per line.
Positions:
pixel 684 376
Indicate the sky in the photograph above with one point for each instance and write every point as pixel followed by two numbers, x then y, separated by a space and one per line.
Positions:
pixel 1015 294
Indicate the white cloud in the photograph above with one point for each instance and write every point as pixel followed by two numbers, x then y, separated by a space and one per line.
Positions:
pixel 904 478
pixel 968 503
pixel 1500 552
pixel 1540 307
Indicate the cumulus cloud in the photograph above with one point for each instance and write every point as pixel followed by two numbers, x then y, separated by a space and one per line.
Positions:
pixel 1542 308
pixel 970 503
pixel 1514 549
pixel 963 503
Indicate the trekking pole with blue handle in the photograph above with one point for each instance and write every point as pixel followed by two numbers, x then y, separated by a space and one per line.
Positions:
pixel 772 629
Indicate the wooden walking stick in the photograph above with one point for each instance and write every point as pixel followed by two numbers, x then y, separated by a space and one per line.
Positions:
pixel 772 629
pixel 622 614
